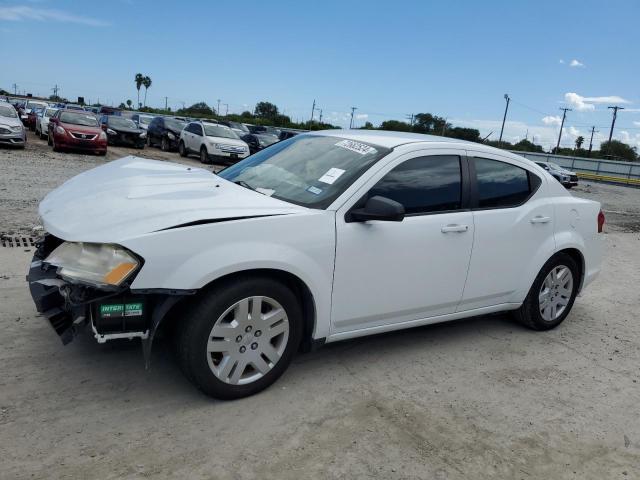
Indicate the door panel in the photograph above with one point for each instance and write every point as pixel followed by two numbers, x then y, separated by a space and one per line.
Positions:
pixel 391 272
pixel 506 240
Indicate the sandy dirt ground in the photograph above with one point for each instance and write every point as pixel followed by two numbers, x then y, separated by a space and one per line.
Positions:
pixel 474 399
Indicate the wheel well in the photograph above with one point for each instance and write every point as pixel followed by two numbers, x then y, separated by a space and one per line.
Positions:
pixel 579 259
pixel 297 286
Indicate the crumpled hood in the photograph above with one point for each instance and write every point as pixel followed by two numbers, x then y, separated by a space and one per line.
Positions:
pixel 132 196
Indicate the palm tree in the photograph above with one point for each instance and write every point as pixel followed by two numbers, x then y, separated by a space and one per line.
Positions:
pixel 579 142
pixel 139 79
pixel 146 81
pixel 129 103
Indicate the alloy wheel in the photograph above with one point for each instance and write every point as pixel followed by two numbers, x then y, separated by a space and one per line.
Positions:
pixel 247 340
pixel 555 293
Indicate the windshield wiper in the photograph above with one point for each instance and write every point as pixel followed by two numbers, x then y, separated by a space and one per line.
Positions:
pixel 244 184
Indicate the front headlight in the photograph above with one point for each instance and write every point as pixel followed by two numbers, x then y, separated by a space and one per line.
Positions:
pixel 102 265
pixel 143 134
pixel 17 128
pixel 171 136
pixel 111 132
pixel 60 130
pixel 103 135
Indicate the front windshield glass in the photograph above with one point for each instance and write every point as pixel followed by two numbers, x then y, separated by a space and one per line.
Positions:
pixel 308 170
pixel 7 111
pixel 174 124
pixel 238 126
pixel 145 120
pixel 119 122
pixel 35 105
pixel 77 118
pixel 555 166
pixel 50 111
pixel 218 131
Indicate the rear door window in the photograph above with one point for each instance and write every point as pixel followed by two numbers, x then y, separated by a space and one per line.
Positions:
pixel 501 184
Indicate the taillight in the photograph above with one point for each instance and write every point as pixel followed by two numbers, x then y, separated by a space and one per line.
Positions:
pixel 601 221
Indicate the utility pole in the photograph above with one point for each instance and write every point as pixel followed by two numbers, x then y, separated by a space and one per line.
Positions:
pixel 564 115
pixel 409 116
pixel 313 109
pixel 226 111
pixel 613 120
pixel 218 110
pixel 320 115
pixel 593 130
pixel 444 127
pixel 55 90
pixel 506 97
pixel 526 136
pixel 166 99
pixel 353 109
pixel 15 89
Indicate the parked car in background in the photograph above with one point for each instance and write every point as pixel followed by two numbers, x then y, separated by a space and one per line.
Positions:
pixel 30 105
pixel 263 130
pixel 32 117
pixel 212 141
pixel 104 110
pixel 257 141
pixel 330 236
pixel 12 131
pixel 42 122
pixel 123 131
pixel 284 134
pixel 567 178
pixel 240 128
pixel 142 120
pixel 74 106
pixel 71 129
pixel 165 132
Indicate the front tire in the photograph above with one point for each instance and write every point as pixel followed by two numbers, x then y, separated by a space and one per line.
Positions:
pixel 552 294
pixel 204 155
pixel 240 337
pixel 165 146
pixel 182 150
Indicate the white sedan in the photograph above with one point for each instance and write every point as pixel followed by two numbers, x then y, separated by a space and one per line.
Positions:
pixel 322 237
pixel 42 122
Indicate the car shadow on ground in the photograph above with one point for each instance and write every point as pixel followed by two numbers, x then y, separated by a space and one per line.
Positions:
pixel 164 379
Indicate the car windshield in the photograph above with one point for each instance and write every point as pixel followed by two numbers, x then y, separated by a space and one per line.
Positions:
pixel 555 166
pixel 145 120
pixel 308 170
pixel 266 139
pixel 120 122
pixel 7 111
pixel 35 105
pixel 77 118
pixel 50 111
pixel 218 131
pixel 238 126
pixel 174 124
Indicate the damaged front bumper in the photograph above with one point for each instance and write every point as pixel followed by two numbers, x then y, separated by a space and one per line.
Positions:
pixel 71 308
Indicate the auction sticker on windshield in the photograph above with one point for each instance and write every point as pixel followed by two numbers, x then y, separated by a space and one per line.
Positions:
pixel 357 147
pixel 331 176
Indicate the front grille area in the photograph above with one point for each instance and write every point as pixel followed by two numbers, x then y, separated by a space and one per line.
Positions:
pixel 232 149
pixel 574 178
pixel 83 136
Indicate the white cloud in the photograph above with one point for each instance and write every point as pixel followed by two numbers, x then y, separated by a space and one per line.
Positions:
pixel 561 62
pixel 637 124
pixel 576 63
pixel 574 131
pixel 362 116
pixel 581 103
pixel 552 120
pixel 22 13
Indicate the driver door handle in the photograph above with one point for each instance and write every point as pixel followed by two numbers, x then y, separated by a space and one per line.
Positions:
pixel 540 219
pixel 454 227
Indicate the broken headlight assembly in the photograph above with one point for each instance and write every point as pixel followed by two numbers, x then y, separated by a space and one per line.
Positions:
pixel 96 264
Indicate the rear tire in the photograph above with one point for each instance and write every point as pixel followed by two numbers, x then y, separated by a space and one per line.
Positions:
pixel 181 149
pixel 49 140
pixel 165 146
pixel 228 354
pixel 53 144
pixel 552 294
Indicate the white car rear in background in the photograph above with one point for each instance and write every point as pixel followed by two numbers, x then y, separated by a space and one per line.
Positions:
pixel 322 237
pixel 212 141
pixel 42 122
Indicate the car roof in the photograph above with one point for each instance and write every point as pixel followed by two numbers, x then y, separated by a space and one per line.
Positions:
pixel 392 139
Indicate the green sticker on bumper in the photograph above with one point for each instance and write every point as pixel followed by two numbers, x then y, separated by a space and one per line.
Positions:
pixel 121 310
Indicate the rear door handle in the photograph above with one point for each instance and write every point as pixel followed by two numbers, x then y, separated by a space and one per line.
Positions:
pixel 454 228
pixel 540 219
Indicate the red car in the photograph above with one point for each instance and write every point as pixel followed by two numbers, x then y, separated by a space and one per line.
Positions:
pixel 77 130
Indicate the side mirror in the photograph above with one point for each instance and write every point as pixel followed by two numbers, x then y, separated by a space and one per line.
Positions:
pixel 378 208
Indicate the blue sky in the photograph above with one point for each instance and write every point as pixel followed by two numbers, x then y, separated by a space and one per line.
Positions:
pixel 389 59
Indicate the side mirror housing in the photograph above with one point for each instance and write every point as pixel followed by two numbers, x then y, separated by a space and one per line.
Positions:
pixel 378 208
